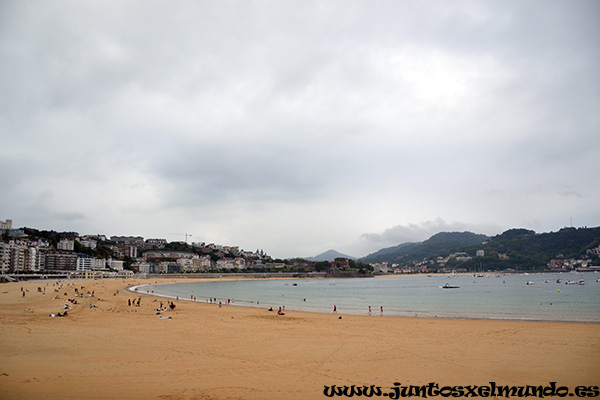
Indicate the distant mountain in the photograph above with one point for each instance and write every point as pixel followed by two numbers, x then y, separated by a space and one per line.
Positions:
pixel 519 249
pixel 437 245
pixel 527 250
pixel 329 255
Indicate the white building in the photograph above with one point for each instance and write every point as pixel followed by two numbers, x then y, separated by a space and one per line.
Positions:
pixel 66 244
pixel 186 264
pixel 144 267
pixel 18 256
pixel 6 225
pixel 87 263
pixel 90 243
pixel 115 264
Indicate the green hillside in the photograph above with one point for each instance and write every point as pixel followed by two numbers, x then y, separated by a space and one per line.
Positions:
pixel 438 245
pixel 518 249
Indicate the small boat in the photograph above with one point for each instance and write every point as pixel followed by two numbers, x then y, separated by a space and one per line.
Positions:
pixel 529 282
pixel 598 280
pixel 449 286
pixel 570 282
pixel 294 284
pixel 558 281
pixel 547 281
pixel 581 282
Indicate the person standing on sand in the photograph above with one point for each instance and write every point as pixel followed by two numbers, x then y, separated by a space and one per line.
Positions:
pixel 369 310
pixel 335 309
pixel 382 311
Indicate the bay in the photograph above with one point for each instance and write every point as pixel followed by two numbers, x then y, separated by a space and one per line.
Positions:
pixel 505 297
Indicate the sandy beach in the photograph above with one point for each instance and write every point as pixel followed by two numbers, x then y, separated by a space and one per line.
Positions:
pixel 116 351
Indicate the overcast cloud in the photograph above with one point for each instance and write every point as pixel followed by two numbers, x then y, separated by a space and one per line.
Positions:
pixel 299 126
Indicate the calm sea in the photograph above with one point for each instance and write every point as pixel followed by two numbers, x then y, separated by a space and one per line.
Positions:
pixel 490 297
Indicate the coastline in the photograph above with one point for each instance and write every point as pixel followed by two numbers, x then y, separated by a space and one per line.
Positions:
pixel 113 350
pixel 531 314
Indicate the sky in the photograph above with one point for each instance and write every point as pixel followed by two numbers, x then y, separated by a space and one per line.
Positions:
pixel 299 126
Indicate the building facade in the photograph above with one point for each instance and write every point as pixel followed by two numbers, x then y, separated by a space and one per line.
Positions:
pixel 6 225
pixel 19 256
pixel 66 245
pixel 59 261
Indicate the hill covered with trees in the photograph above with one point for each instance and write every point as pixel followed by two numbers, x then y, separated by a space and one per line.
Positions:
pixel 518 249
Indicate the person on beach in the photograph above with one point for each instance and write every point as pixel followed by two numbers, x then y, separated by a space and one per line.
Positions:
pixel 382 311
pixel 369 310
pixel 335 309
pixel 129 301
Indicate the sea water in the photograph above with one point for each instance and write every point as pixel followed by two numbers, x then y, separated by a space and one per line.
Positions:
pixel 506 296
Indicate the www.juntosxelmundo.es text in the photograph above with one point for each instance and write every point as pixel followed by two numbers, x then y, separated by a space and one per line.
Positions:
pixel 434 390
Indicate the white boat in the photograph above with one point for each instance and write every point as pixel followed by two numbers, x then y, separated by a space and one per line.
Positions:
pixel 449 286
pixel 570 282
pixel 529 282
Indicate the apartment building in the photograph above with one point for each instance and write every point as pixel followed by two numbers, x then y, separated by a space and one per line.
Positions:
pixel 116 265
pixel 66 245
pixel 88 263
pixel 19 256
pixel 59 261
pixel 90 243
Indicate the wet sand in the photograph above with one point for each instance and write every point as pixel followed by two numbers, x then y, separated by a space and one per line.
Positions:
pixel 117 351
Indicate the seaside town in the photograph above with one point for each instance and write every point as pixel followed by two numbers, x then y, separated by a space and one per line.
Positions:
pixel 25 251
pixel 30 251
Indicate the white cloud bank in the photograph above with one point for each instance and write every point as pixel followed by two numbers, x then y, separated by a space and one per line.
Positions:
pixel 297 127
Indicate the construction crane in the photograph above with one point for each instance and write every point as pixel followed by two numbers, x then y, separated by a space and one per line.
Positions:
pixel 183 234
